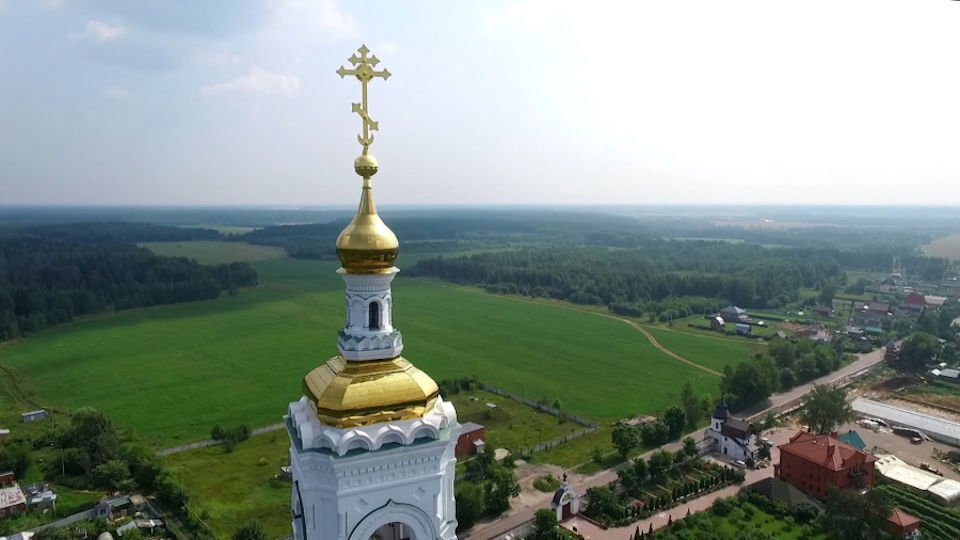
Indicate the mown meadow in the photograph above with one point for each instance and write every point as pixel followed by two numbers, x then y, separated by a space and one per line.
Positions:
pixel 173 372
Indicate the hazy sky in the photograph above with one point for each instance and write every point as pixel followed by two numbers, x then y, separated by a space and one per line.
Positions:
pixel 237 102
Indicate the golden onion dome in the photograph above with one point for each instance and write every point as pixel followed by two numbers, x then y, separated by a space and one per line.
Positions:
pixel 350 394
pixel 367 245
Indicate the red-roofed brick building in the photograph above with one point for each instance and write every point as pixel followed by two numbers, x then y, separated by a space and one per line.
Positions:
pixel 814 463
pixel 902 525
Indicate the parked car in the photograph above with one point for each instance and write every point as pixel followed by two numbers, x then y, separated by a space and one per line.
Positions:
pixel 915 440
pixel 740 463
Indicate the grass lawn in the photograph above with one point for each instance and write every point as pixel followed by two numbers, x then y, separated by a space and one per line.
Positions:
pixel 708 351
pixel 172 372
pixel 732 525
pixel 213 252
pixel 230 490
pixel 510 425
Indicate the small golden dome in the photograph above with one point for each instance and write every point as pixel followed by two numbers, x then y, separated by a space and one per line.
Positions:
pixel 367 245
pixel 351 394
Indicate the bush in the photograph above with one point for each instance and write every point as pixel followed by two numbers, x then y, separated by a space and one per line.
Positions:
pixel 721 507
pixel 546 484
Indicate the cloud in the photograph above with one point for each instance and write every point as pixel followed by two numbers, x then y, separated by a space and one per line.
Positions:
pixel 116 93
pixel 528 15
pixel 305 19
pixel 386 47
pixel 100 32
pixel 217 58
pixel 259 82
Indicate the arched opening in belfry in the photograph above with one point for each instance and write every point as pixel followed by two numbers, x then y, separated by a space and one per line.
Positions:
pixel 373 316
pixel 394 531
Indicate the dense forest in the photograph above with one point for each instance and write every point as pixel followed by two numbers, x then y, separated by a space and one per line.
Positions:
pixel 45 282
pixel 118 231
pixel 854 247
pixel 661 271
pixel 447 231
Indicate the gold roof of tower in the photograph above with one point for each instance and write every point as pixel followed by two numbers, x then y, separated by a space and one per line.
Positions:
pixel 367 245
pixel 350 394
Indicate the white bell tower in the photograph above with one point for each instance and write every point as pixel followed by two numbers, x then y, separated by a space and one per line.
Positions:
pixel 371 441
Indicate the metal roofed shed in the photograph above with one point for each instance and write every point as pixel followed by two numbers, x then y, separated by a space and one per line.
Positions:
pixel 944 490
pixel 897 470
pixel 947 491
pixel 937 428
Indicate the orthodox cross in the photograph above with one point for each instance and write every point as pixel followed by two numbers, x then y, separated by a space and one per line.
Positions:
pixel 364 72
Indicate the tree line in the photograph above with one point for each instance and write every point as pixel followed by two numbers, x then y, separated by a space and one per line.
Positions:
pixel 781 366
pixel 45 282
pixel 100 232
pixel 695 273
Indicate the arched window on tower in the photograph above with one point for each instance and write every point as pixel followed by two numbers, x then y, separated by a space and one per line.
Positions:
pixel 373 320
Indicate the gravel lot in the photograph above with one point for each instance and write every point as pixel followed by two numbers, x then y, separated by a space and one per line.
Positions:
pixel 914 454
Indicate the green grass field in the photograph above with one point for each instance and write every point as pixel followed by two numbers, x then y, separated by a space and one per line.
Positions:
pixel 233 489
pixel 211 252
pixel 708 351
pixel 173 372
pixel 511 424
pixel 733 525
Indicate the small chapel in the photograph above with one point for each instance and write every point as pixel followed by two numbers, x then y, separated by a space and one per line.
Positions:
pixel 731 436
pixel 372 441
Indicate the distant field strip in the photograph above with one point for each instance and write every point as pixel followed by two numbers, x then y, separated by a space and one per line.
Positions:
pixel 213 252
pixel 947 247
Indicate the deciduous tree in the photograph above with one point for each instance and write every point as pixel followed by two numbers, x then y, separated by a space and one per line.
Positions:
pixel 918 350
pixel 825 408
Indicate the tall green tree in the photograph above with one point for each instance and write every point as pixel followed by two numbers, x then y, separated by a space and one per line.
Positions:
pixel 15 456
pixel 827 292
pixel 750 382
pixel 675 419
pixel 625 438
pixel 918 350
pixel 659 464
pixel 545 525
pixel 825 408
pixel 690 447
pixel 691 405
pixel 470 504
pixel 850 516
pixel 501 487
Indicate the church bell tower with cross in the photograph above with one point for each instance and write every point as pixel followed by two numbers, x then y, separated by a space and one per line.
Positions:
pixel 372 440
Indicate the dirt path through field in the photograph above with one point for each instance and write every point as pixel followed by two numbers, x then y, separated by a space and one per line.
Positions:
pixel 633 324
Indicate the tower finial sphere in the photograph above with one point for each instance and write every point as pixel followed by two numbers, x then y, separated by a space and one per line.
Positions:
pixel 365 165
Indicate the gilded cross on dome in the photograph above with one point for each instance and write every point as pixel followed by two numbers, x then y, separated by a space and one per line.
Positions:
pixel 363 70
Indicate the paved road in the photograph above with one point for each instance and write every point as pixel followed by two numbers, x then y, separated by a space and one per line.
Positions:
pixel 516 517
pixel 863 362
